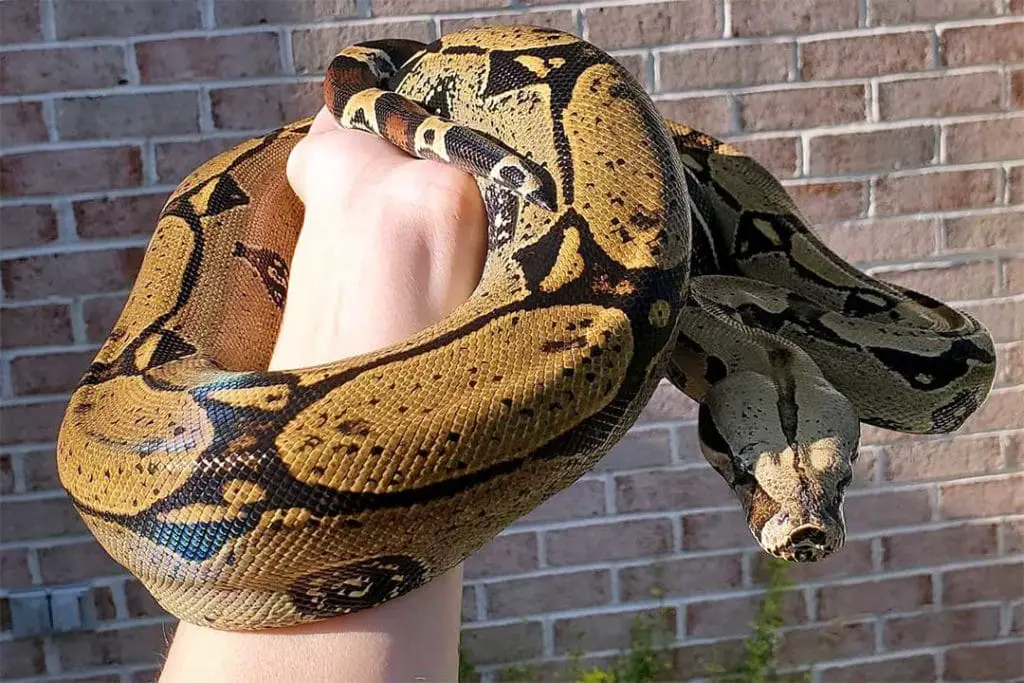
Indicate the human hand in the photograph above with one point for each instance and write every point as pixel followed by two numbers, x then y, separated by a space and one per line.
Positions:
pixel 390 244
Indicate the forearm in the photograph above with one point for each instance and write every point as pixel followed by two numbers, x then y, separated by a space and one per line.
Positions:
pixel 342 302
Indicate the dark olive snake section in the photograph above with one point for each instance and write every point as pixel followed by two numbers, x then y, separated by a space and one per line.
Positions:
pixel 249 499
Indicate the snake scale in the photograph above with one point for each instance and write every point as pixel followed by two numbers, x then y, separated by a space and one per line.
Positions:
pixel 622 249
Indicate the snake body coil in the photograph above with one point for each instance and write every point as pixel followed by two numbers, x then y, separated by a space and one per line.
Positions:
pixel 246 499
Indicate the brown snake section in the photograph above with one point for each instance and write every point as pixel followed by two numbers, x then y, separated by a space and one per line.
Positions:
pixel 250 499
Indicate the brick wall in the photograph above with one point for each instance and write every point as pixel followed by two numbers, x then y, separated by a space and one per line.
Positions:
pixel 898 125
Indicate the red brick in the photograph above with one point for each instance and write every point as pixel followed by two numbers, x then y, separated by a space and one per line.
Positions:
pixel 780 155
pixel 118 216
pixel 264 106
pixel 582 500
pixel 605 542
pixel 20 22
pixel 883 509
pixel 830 201
pixel 991 140
pixel 881 150
pixel 469 606
pixel 688 445
pixel 20 658
pixel 985 583
pixel 257 12
pixel 985 232
pixel 53 373
pixel 1013 275
pixel 1009 365
pixel 1016 182
pixel 686 576
pixel 610 631
pixel 511 554
pixel 881 239
pixel 100 314
pixel 939 546
pixel 947 282
pixel 175 160
pixel 41 471
pixel 114 116
pixel 140 603
pixel 870 55
pixel 638 450
pixel 1017 620
pixel 562 20
pixel 27 225
pixel 103 601
pixel 75 68
pixel 1000 409
pixel 140 645
pixel 716 531
pixel 177 60
pixel 883 12
pixel 751 64
pixel 14 568
pixel 668 404
pixel 874 597
pixel 636 64
pixel 656 23
pixel 22 123
pixel 671 490
pixel 985 662
pixel 939 459
pixel 76 19
pixel 999 44
pixel 724 617
pixel 916 668
pixel 982 498
pixel 755 18
pixel 1004 319
pixel 942 628
pixel 314 48
pixel 1017 88
pixel 938 191
pixel 695 661
pixel 5 615
pixel 712 114
pixel 802 108
pixel 34 519
pixel 1013 450
pixel 6 474
pixel 826 641
pixel 853 559
pixel 383 8
pixel 519 597
pixel 31 423
pixel 927 96
pixel 71 273
pixel 70 170
pixel 76 562
pixel 502 644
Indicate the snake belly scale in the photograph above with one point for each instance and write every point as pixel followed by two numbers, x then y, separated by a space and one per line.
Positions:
pixel 250 499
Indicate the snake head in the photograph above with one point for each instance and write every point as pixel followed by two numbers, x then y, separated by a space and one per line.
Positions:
pixel 787 449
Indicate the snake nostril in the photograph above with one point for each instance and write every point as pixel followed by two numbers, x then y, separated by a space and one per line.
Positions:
pixel 807 536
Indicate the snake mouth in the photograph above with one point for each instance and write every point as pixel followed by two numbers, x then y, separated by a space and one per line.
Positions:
pixel 808 543
pixel 802 530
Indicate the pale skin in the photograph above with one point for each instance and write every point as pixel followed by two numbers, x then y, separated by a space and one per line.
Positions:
pixel 389 245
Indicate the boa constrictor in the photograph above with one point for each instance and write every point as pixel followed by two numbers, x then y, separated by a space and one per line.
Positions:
pixel 622 248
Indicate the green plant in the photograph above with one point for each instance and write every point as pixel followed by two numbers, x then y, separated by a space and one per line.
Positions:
pixel 648 658
pixel 760 663
pixel 467 672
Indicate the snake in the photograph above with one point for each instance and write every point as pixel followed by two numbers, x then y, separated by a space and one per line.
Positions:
pixel 624 250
